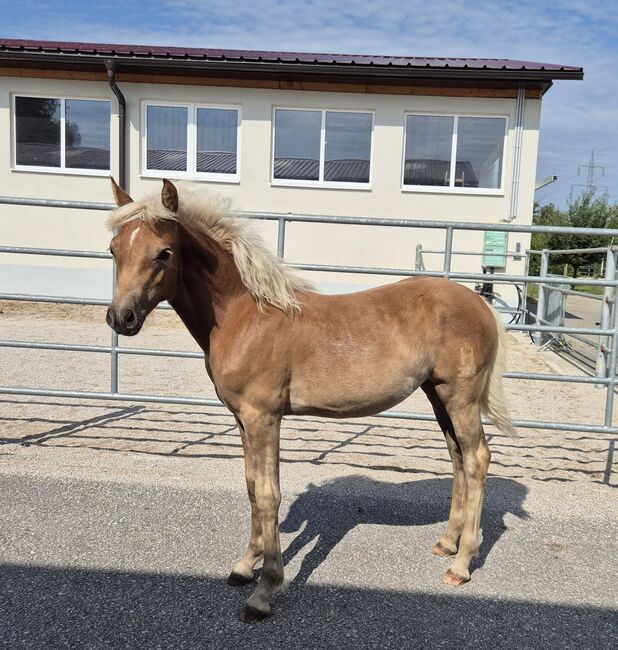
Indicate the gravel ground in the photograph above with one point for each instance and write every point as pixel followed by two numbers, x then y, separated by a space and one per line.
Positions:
pixel 405 446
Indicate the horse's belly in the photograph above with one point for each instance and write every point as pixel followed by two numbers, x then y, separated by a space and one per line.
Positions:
pixel 342 397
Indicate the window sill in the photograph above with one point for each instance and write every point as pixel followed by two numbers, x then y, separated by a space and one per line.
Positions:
pixel 321 185
pixel 58 170
pixel 437 189
pixel 185 176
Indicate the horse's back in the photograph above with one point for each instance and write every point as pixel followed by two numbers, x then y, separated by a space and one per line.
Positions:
pixel 359 353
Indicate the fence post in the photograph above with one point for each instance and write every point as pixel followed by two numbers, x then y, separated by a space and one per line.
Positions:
pixel 541 308
pixel 448 251
pixel 613 356
pixel 609 301
pixel 281 237
pixel 114 346
pixel 418 262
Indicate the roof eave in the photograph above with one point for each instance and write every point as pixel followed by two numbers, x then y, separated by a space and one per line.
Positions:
pixel 170 64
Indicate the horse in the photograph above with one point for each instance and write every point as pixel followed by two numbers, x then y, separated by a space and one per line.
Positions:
pixel 273 346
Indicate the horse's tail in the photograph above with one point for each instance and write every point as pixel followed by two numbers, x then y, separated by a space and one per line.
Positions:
pixel 493 397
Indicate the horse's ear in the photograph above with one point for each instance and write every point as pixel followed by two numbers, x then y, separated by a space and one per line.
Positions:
pixel 120 196
pixel 169 196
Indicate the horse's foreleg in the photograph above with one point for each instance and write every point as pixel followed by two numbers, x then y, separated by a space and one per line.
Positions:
pixel 242 573
pixel 447 544
pixel 476 457
pixel 262 432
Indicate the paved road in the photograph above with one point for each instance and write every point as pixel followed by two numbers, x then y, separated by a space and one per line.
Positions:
pixel 104 549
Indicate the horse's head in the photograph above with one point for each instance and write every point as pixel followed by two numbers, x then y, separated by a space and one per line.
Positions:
pixel 147 258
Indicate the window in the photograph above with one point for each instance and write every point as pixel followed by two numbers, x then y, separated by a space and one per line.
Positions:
pixel 192 141
pixel 54 134
pixel 322 147
pixel 454 152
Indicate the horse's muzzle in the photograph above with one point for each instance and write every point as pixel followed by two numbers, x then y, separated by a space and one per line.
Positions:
pixel 127 322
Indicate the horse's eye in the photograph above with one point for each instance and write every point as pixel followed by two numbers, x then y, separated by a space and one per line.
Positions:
pixel 164 255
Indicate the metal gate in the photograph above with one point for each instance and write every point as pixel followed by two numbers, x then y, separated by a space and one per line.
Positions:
pixel 609 329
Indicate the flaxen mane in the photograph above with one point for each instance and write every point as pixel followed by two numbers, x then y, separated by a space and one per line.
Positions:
pixel 264 275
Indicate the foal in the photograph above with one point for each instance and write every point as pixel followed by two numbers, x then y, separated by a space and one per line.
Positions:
pixel 273 347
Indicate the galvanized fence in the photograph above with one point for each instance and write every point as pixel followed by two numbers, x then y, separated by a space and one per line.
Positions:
pixel 610 330
pixel 551 304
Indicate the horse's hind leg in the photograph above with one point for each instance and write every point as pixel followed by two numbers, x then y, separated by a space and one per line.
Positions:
pixel 466 418
pixel 242 573
pixel 447 544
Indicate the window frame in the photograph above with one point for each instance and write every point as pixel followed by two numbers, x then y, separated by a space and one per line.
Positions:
pixel 451 189
pixel 290 182
pixel 74 171
pixel 191 173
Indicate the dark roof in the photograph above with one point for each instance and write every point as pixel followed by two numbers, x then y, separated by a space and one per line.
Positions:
pixel 180 57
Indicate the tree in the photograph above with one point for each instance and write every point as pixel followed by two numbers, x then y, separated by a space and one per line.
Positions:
pixel 584 211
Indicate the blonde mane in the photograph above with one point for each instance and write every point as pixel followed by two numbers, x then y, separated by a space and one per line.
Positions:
pixel 264 275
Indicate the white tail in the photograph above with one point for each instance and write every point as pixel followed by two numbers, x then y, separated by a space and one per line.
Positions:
pixel 493 399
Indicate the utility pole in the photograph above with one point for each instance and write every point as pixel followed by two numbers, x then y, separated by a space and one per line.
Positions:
pixel 590 175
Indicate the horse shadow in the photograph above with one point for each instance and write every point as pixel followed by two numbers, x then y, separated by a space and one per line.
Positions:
pixel 330 510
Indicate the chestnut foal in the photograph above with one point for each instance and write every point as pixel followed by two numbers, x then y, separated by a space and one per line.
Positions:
pixel 274 347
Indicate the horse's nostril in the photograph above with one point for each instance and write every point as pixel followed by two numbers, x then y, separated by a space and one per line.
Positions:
pixel 109 318
pixel 130 319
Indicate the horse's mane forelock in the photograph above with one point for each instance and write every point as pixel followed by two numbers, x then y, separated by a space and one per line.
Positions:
pixel 264 275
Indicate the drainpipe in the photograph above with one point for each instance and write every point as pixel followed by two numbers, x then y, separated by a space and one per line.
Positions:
pixel 110 66
pixel 519 132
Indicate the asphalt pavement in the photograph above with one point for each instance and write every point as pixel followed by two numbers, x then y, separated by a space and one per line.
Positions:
pixel 103 549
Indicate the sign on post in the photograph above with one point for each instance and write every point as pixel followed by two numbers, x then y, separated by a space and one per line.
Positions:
pixel 494 248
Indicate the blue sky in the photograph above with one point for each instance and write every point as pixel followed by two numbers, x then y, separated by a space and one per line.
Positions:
pixel 577 116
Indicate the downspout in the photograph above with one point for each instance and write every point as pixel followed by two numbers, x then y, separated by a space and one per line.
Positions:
pixel 110 66
pixel 519 134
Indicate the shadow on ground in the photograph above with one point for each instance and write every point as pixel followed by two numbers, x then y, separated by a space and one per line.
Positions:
pixel 410 448
pixel 328 512
pixel 58 608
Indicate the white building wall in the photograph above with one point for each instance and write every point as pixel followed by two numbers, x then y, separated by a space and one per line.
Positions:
pixel 56 228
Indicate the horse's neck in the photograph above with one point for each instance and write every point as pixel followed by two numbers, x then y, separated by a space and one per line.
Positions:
pixel 208 285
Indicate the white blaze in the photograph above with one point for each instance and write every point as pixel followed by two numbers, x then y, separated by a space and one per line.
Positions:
pixel 133 236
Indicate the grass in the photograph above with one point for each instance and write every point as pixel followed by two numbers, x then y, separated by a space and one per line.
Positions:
pixel 597 291
pixel 533 290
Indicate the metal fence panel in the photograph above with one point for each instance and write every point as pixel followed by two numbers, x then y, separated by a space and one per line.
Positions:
pixel 548 286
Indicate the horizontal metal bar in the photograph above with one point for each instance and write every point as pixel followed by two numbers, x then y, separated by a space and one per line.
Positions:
pixel 155 352
pixel 63 300
pixel 566 251
pixel 353 221
pixel 60 300
pixel 115 397
pixel 559 330
pixel 478 254
pixel 573 292
pixel 573 379
pixel 56 203
pixel 56 252
pixel 400 415
pixel 477 277
pixel 586 341
pixel 442 225
pixel 70 347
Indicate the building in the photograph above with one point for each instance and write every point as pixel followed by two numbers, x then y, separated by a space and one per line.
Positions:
pixel 394 137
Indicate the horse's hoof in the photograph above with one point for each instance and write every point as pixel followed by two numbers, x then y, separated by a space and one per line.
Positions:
pixel 237 580
pixel 454 579
pixel 252 615
pixel 442 551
